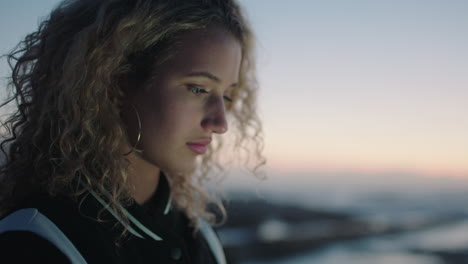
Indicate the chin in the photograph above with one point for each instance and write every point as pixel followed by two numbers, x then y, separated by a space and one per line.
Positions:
pixel 181 168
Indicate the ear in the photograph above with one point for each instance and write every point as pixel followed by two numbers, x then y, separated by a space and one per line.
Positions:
pixel 125 92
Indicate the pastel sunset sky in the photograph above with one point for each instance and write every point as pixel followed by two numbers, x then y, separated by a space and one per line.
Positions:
pixel 364 85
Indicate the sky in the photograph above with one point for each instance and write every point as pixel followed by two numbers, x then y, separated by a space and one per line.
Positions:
pixel 372 86
pixel 364 85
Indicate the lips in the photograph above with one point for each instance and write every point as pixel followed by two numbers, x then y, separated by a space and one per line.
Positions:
pixel 199 146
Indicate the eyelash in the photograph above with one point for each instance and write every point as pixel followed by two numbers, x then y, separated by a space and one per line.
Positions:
pixel 201 90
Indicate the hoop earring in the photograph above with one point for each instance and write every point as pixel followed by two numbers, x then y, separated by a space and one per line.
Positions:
pixel 139 133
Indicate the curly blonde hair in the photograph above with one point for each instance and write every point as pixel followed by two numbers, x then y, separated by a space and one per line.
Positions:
pixel 67 85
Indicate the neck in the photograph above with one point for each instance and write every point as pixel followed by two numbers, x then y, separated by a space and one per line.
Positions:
pixel 143 178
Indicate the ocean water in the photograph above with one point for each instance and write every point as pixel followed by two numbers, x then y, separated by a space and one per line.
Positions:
pixel 419 247
pixel 398 205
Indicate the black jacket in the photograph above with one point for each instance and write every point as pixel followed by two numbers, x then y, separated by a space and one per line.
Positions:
pixel 98 240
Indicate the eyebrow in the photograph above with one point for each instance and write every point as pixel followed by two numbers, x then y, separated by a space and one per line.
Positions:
pixel 208 76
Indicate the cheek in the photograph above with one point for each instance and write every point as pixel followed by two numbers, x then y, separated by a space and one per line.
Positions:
pixel 177 117
pixel 184 116
pixel 171 112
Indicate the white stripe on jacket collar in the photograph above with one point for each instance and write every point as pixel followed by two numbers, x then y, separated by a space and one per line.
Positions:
pixel 130 217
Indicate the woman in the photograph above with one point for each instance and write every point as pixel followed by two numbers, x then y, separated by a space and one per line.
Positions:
pixel 119 105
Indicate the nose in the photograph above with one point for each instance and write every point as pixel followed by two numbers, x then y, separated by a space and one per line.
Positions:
pixel 215 117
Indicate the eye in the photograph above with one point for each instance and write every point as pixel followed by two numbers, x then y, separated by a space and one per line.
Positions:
pixel 197 90
pixel 227 98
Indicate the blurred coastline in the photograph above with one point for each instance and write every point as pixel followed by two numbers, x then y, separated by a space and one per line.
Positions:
pixel 363 223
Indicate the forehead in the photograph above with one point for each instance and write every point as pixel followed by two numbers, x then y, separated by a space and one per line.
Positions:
pixel 211 50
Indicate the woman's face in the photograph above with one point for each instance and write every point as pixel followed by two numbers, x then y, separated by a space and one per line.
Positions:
pixel 184 102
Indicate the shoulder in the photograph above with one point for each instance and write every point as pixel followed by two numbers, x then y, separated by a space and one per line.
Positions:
pixel 27 247
pixel 76 223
